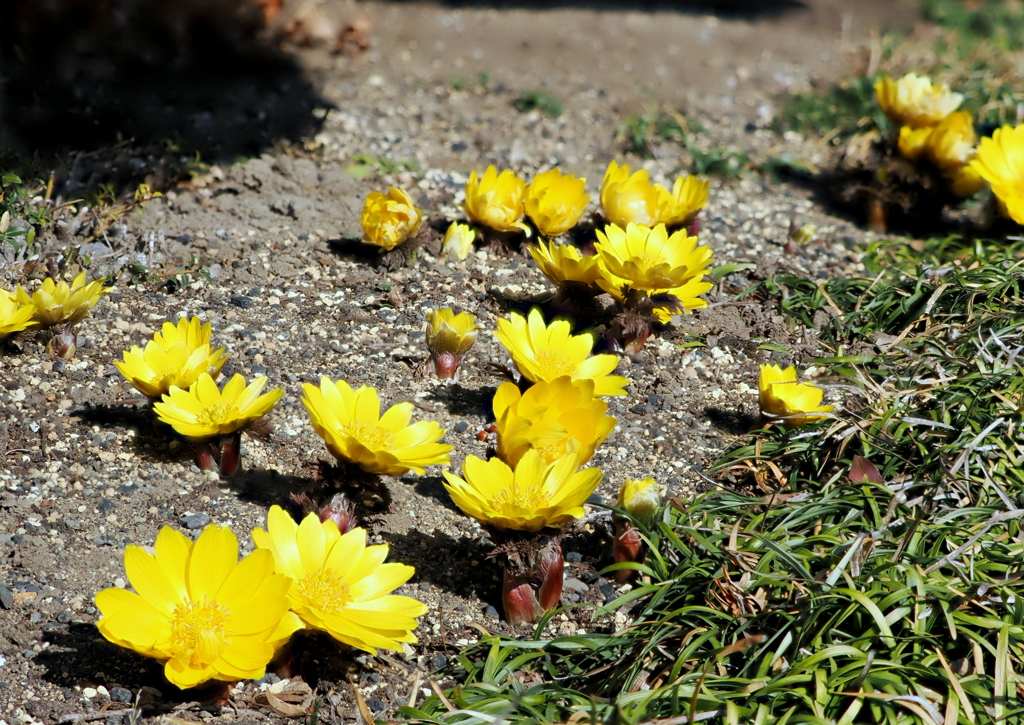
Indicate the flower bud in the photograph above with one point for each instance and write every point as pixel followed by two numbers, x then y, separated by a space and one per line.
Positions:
pixel 640 499
pixel 449 338
pixel 519 600
pixel 458 241
pixel 627 546
pixel 64 343
pixel 551 567
pixel 390 219
pixel 341 511
pixel 230 453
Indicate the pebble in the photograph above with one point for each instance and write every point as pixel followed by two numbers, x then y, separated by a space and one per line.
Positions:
pixel 107 505
pixel 438 661
pixel 376 704
pixel 241 301
pixel 461 426
pixel 491 612
pixel 194 521
pixel 607 591
pixel 6 598
pixel 574 557
pixel 120 694
pixel 576 585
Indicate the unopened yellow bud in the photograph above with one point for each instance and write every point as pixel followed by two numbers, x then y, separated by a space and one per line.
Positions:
pixel 458 241
pixel 449 338
pixel 388 220
pixel 640 499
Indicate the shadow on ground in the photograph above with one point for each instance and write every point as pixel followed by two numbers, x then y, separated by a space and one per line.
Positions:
pixel 724 8
pixel 120 93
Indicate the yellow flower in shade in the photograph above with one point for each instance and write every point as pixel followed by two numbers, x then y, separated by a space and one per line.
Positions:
pixel 546 352
pixel 449 338
pixel 175 357
pixel 553 418
pixel 14 315
pixel 1000 162
pixel 458 241
pixel 649 259
pixel 914 101
pixel 965 181
pixel 951 142
pixel 681 206
pixel 339 584
pixel 198 609
pixel 556 201
pixel 670 303
pixel 627 197
pixel 531 497
pixel 390 219
pixel 781 396
pixel 640 499
pixel 59 302
pixel 205 411
pixel 913 142
pixel 354 430
pixel 564 265
pixel 496 200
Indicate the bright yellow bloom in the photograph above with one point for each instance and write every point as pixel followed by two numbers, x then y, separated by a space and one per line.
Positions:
pixel 914 101
pixel 782 396
pixel 198 609
pixel 553 418
pixel 58 302
pixel 533 496
pixel 204 411
pixel 448 332
pixel 640 499
pixel 354 430
pixel 496 200
pixel 458 241
pixel 546 352
pixel 627 197
pixel 555 202
pixel 388 220
pixel 680 300
pixel 339 584
pixel 1000 162
pixel 14 315
pixel 564 265
pixel 913 142
pixel 681 206
pixel 649 259
pixel 175 357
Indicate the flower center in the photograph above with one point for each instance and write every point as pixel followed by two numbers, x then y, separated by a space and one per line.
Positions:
pixel 217 414
pixel 199 630
pixel 515 499
pixel 371 436
pixel 322 592
pixel 554 364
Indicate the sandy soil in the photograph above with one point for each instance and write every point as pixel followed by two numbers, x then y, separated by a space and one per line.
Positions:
pixel 293 298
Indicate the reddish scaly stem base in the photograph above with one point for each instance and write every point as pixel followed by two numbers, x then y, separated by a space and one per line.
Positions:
pixel 627 546
pixel 533 576
pixel 223 454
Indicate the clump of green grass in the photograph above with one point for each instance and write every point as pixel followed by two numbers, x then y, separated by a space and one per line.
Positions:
pixel 995 22
pixel 865 569
pixel 542 100
pixel 641 133
pixel 364 165
pixel 845 109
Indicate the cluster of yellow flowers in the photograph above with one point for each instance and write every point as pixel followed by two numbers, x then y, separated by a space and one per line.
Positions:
pixel 206 615
pixel 53 303
pixel 931 129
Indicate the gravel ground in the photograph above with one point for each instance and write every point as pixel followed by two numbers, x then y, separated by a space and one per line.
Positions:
pixel 292 298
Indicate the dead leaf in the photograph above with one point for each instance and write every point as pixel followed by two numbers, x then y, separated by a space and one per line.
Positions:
pixel 864 470
pixel 290 698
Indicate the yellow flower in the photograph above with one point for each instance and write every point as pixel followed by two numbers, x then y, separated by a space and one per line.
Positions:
pixel 628 197
pixel 680 300
pixel 354 430
pixel 204 411
pixel 529 498
pixel 198 609
pixel 57 302
pixel 449 338
pixel 782 396
pixel 14 315
pixel 914 101
pixel 640 499
pixel 965 181
pixel 913 142
pixel 339 584
pixel 546 352
pixel 458 240
pixel 649 259
pixel 1000 162
pixel 564 265
pixel 175 357
pixel 951 142
pixel 496 200
pixel 555 202
pixel 388 220
pixel 681 206
pixel 553 418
